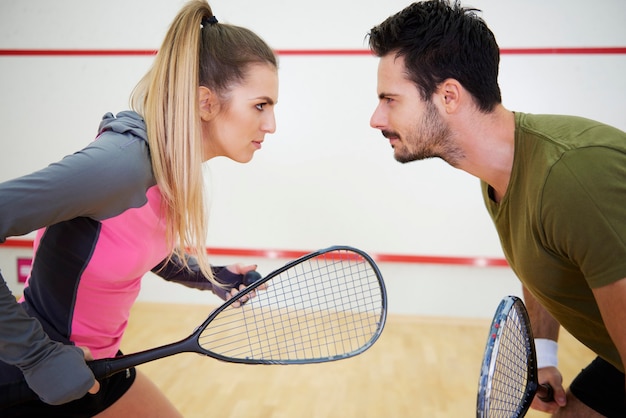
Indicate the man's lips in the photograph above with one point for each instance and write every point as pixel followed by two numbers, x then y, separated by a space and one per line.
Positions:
pixel 391 136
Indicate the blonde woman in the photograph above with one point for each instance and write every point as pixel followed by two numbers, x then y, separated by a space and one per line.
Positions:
pixel 125 205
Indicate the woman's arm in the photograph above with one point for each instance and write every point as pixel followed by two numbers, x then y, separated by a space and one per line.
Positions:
pixel 232 276
pixel 104 179
pixel 57 373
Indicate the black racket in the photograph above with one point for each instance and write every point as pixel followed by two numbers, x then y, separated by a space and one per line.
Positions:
pixel 508 376
pixel 325 306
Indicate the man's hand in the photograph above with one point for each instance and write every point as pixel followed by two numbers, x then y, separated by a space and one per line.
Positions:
pixel 552 376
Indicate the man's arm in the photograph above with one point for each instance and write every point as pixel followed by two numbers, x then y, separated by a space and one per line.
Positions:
pixel 544 326
pixel 611 300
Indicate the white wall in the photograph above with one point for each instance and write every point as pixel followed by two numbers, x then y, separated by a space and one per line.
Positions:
pixel 325 177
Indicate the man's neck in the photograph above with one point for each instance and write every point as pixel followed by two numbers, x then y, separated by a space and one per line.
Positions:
pixel 488 141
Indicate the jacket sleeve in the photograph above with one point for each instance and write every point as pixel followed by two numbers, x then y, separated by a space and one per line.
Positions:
pixel 107 177
pixel 57 373
pixel 100 181
pixel 173 270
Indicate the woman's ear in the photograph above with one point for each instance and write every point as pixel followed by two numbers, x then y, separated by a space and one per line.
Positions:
pixel 209 103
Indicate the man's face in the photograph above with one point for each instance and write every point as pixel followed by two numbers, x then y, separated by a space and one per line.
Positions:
pixel 413 126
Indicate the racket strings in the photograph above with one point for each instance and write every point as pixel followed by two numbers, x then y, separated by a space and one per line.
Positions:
pixel 328 306
pixel 320 338
pixel 509 384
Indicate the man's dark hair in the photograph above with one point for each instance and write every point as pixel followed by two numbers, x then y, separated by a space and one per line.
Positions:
pixel 439 40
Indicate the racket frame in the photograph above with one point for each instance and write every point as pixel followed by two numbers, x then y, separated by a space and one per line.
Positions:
pixel 485 384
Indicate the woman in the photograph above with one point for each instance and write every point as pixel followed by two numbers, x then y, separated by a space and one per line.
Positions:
pixel 127 204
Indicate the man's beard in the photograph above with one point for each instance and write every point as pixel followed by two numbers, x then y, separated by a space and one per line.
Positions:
pixel 429 138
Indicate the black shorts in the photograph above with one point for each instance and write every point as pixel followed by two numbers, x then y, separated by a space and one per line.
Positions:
pixel 600 386
pixel 111 389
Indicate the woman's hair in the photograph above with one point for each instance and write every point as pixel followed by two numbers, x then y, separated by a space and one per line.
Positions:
pixel 197 51
pixel 439 39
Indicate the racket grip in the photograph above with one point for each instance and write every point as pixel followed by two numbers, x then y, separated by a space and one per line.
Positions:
pixel 101 369
pixel 251 277
pixel 545 393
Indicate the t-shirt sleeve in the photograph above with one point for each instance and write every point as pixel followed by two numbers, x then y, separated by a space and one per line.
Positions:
pixel 584 212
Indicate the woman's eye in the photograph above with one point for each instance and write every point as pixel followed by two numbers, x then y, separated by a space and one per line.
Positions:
pixel 260 106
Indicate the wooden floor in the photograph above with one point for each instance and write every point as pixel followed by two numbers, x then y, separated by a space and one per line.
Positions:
pixel 420 367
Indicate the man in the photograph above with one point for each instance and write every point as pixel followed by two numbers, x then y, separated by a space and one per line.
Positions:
pixel 555 187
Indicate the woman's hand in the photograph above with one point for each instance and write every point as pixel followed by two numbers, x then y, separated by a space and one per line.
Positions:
pixel 243 270
pixel 88 357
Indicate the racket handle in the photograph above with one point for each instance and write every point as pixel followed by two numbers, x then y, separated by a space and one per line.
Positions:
pixel 251 277
pixel 101 369
pixel 545 393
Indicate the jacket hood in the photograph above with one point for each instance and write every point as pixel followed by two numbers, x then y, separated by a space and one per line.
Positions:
pixel 124 122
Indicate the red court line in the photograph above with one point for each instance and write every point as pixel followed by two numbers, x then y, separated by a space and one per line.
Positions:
pixel 305 52
pixel 76 52
pixel 292 254
pixel 563 51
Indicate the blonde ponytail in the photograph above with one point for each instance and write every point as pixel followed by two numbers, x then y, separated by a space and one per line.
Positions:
pixel 167 99
pixel 214 55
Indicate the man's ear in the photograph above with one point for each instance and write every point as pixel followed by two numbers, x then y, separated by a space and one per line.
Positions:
pixel 450 94
pixel 209 103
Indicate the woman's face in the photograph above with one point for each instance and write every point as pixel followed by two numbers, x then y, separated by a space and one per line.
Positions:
pixel 239 126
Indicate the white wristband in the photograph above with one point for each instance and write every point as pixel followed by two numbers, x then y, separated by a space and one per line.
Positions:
pixel 546 353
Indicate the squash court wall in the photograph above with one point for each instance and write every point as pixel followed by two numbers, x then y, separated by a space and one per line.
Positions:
pixel 325 177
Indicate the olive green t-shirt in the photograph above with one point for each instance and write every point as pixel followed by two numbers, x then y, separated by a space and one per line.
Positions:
pixel 562 220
